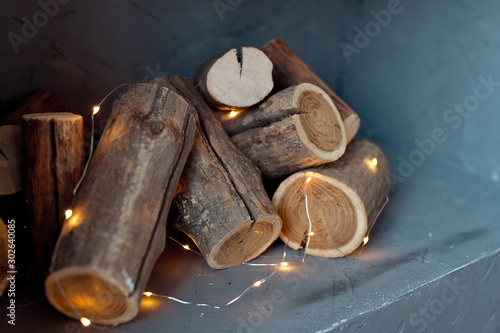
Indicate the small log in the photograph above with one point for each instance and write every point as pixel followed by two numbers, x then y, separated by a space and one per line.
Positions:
pixel 40 101
pixel 11 159
pixel 296 128
pixel 108 247
pixel 289 70
pixel 4 257
pixel 235 81
pixel 54 154
pixel 221 202
pixel 344 200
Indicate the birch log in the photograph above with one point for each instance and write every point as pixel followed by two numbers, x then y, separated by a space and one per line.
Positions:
pixel 344 200
pixel 289 70
pixel 296 128
pixel 233 80
pixel 54 155
pixel 107 249
pixel 221 202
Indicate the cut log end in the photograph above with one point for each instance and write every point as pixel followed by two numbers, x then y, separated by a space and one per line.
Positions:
pixel 337 215
pixel 79 292
pixel 250 240
pixel 236 81
pixel 321 129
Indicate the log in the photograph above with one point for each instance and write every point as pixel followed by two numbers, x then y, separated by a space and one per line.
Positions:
pixel 40 101
pixel 221 202
pixel 296 128
pixel 233 80
pixel 289 70
pixel 108 247
pixel 54 155
pixel 11 159
pixel 344 200
pixel 4 257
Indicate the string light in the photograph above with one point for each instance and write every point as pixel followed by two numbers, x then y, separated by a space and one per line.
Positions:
pixel 232 114
pixel 374 161
pixel 96 109
pixel 148 293
pixel 284 264
pixel 85 321
pixel 365 240
pixel 186 247
pixel 68 213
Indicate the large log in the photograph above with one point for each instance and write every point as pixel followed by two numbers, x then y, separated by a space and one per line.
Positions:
pixel 54 155
pixel 234 81
pixel 108 247
pixel 221 202
pixel 344 200
pixel 289 70
pixel 11 159
pixel 296 128
pixel 40 101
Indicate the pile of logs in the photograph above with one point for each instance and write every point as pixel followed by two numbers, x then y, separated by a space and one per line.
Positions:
pixel 196 154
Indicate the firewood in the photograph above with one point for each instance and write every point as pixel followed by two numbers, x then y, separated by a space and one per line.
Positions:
pixel 11 159
pixel 4 256
pixel 235 80
pixel 289 70
pixel 40 101
pixel 296 128
pixel 344 200
pixel 108 247
pixel 221 202
pixel 54 155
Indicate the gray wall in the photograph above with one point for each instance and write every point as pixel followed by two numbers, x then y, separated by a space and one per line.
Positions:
pixel 401 80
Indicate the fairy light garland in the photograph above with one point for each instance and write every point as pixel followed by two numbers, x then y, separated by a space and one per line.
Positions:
pixel 306 237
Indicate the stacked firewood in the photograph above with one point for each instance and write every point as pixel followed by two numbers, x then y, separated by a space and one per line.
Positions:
pixel 197 154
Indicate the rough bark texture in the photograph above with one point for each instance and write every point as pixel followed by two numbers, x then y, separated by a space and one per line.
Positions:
pixel 11 159
pixel 4 257
pixel 221 202
pixel 54 155
pixel 233 80
pixel 296 128
pixel 344 200
pixel 289 69
pixel 107 249
pixel 40 101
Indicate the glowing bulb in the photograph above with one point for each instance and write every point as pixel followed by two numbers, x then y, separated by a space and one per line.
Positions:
pixel 68 213
pixel 258 283
pixel 308 180
pixel 232 114
pixel 186 247
pixel 85 321
pixel 96 109
pixel 311 233
pixel 284 264
pixel 365 240
pixel 148 293
pixel 374 162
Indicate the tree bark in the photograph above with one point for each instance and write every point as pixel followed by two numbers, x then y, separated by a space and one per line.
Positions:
pixel 40 101
pixel 235 81
pixel 54 155
pixel 296 128
pixel 11 159
pixel 289 70
pixel 344 200
pixel 107 249
pixel 221 202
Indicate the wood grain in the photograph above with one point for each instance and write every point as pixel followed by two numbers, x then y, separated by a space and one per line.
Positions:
pixel 344 199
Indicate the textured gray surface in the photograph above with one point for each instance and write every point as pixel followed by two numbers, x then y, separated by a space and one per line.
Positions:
pixel 432 261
